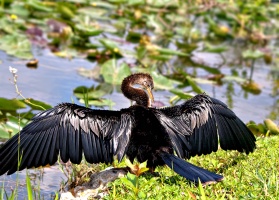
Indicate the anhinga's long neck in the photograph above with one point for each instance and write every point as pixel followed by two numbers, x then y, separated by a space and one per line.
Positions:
pixel 136 94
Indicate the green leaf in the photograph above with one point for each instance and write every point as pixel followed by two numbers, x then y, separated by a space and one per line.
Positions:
pixel 171 52
pixel 163 3
pixel 128 163
pixel 29 187
pixel 250 54
pixel 271 126
pixel 212 70
pixel 13 195
pixel 11 104
pixel 203 197
pixel 56 196
pixel 132 178
pixel 118 1
pixel 99 102
pixel 234 79
pixel 19 10
pixel 128 183
pixel 141 195
pixel 194 85
pixel 17 45
pixel 162 57
pixel 133 36
pixel 93 92
pixel 141 52
pixel 113 74
pixel 36 105
pixel 214 49
pixel 37 5
pixel 2 191
pixel 109 44
pixel 66 10
pixel 68 53
pixel 143 165
pixel 142 170
pixel 162 82
pixel 11 127
pixel 181 94
pixel 88 30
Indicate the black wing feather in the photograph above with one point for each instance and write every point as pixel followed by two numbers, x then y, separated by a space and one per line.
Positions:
pixel 70 130
pixel 63 142
pixel 201 121
pixel 87 147
pixel 32 149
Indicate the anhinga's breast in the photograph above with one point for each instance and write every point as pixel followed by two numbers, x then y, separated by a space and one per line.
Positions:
pixel 148 137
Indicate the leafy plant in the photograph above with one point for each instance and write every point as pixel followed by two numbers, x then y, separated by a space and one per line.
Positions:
pixel 267 128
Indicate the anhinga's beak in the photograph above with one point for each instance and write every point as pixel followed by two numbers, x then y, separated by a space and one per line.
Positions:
pixel 150 95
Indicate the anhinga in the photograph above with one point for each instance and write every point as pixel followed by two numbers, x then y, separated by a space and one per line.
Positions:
pixel 140 132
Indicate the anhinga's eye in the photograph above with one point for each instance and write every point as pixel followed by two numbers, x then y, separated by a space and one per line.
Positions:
pixel 148 85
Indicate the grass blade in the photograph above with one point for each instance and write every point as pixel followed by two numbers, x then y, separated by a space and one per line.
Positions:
pixel 29 187
pixel 203 197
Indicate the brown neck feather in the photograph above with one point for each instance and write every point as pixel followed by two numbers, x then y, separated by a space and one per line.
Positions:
pixel 135 94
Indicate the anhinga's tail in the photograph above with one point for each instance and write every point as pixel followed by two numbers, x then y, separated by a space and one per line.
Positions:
pixel 189 171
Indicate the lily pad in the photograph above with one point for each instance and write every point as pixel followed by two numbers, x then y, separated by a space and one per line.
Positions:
pixel 36 105
pixel 162 82
pixel 11 127
pixel 99 102
pixel 88 30
pixel 114 74
pixel 93 92
pixel 111 45
pixel 250 54
pixel 16 45
pixel 11 104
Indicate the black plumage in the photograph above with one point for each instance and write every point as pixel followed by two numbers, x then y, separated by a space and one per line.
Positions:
pixel 140 132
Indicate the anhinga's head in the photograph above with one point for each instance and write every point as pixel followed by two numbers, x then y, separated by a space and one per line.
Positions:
pixel 138 87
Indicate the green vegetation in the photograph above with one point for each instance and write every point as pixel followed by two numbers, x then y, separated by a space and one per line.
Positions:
pixel 254 176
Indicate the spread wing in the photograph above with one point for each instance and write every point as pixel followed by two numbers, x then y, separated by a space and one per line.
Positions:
pixel 68 129
pixel 198 125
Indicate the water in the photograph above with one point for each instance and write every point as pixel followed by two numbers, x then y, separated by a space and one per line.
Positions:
pixel 52 82
pixel 247 106
pixel 55 78
pixel 45 182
